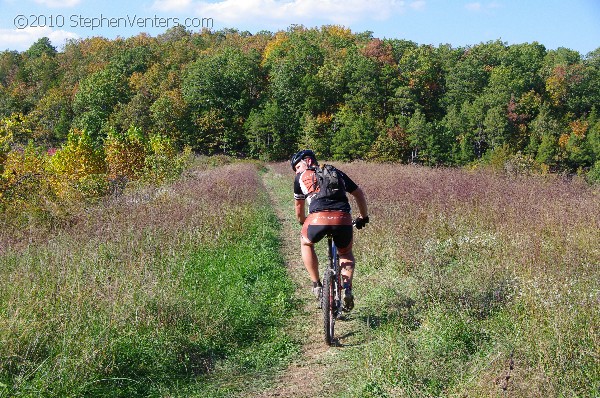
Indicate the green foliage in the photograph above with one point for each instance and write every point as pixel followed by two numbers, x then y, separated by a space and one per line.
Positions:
pixel 51 118
pixel 267 94
pixel 221 88
pixel 355 135
pixel 131 60
pixel 422 74
pixel 419 137
pixel 593 176
pixel 269 131
pixel 495 127
pixel 212 132
pixel 317 134
pixel 468 77
pixel 363 88
pixel 548 150
pixel 41 47
pixel 96 98
pixel 163 163
pixel 170 116
pixel 136 112
pixel 391 146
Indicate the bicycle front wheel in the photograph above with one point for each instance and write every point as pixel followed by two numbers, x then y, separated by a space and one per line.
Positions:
pixel 329 306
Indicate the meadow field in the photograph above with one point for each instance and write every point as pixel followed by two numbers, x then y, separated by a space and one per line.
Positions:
pixel 477 284
pixel 171 291
pixel 468 283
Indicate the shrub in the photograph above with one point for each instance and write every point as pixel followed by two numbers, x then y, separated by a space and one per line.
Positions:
pixel 6 138
pixel 73 167
pixel 390 146
pixel 163 163
pixel 14 128
pixel 26 195
pixel 125 153
pixel 593 176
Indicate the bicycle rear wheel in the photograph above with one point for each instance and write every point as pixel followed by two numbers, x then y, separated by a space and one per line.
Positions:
pixel 329 306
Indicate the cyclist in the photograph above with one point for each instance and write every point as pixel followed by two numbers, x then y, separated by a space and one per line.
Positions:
pixel 326 215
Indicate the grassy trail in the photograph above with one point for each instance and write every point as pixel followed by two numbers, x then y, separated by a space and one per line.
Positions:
pixel 307 375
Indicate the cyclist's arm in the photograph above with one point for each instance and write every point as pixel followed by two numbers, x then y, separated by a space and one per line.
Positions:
pixel 361 201
pixel 300 211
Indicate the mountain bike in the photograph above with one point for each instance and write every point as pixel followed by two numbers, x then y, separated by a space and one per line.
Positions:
pixel 331 300
pixel 332 287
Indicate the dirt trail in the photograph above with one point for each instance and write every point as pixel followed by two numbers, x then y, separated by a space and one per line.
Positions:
pixel 305 377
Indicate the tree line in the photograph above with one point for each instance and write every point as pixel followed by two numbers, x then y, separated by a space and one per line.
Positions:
pixel 346 95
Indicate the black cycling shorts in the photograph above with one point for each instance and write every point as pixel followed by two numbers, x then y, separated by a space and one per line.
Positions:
pixel 338 223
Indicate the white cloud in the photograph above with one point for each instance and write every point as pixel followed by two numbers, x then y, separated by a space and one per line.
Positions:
pixel 481 7
pixel 473 6
pixel 417 5
pixel 285 12
pixel 58 3
pixel 22 39
pixel 172 5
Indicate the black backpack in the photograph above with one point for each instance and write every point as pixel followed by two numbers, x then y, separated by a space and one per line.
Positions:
pixel 330 183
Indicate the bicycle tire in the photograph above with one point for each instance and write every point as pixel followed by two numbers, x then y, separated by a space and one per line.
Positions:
pixel 329 306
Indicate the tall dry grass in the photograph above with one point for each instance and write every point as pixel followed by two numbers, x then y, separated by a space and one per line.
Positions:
pixel 142 292
pixel 476 284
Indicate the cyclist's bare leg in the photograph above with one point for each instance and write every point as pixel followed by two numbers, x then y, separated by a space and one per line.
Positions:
pixel 347 266
pixel 309 257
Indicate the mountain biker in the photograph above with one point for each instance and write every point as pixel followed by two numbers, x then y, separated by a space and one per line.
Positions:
pixel 326 215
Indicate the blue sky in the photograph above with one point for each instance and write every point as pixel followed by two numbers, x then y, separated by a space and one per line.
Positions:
pixel 574 24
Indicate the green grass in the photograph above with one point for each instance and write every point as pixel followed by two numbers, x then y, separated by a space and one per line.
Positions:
pixel 184 293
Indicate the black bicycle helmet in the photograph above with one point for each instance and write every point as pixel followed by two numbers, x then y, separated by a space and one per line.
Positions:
pixel 298 156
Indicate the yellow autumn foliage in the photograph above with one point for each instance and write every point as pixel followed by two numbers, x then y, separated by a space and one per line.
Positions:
pixel 276 43
pixel 579 128
pixel 25 190
pixel 78 168
pixel 125 153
